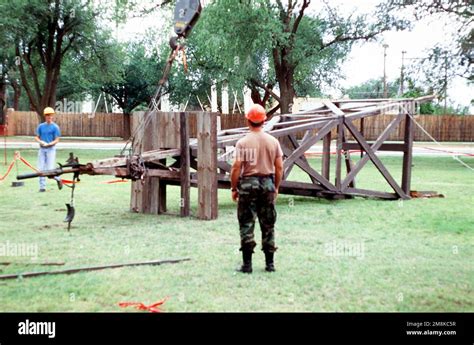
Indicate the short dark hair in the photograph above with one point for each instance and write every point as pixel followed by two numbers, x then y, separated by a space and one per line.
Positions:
pixel 253 124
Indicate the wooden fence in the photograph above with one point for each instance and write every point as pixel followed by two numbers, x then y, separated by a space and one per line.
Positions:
pixel 441 127
pixel 71 124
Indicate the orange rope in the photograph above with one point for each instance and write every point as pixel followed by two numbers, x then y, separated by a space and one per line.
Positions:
pixel 17 157
pixel 10 167
pixel 115 181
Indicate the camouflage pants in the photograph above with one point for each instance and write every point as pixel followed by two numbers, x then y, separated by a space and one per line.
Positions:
pixel 256 199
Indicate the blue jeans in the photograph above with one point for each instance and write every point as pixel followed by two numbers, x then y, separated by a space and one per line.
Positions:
pixel 46 161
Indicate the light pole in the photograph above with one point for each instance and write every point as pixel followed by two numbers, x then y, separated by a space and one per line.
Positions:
pixel 402 73
pixel 385 93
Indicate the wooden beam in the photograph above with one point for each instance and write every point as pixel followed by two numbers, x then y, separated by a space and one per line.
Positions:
pixel 305 146
pixel 331 106
pixel 373 157
pixel 90 268
pixel 156 155
pixel 163 173
pixel 375 146
pixel 370 112
pixel 302 161
pixel 326 158
pixel 340 133
pixel 407 155
pixel 207 166
pixel 348 160
pixel 185 162
pixel 370 193
pixel 268 126
pixel 384 147
pixel 303 164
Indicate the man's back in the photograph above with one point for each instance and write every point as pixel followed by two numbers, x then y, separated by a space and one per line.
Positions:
pixel 258 151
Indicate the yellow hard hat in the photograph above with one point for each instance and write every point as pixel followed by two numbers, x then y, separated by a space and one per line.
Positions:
pixel 48 111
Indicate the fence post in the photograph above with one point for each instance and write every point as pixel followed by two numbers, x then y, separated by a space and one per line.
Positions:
pixel 207 165
pixel 407 154
pixel 185 162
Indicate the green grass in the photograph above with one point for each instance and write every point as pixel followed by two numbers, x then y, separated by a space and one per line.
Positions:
pixel 418 254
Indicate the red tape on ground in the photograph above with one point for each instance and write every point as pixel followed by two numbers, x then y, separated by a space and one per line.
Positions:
pixel 153 308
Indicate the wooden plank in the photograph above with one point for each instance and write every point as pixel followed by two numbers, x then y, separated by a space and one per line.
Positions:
pixel 373 157
pixel 303 164
pixel 268 126
pixel 370 193
pixel 306 167
pixel 163 173
pixel 90 268
pixel 348 160
pixel 407 156
pixel 331 106
pixel 326 158
pixel 370 112
pixel 109 162
pixel 207 166
pixel 375 146
pixel 157 155
pixel 184 169
pixel 340 133
pixel 384 147
pixel 308 143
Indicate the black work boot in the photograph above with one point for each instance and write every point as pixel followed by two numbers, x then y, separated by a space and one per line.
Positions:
pixel 269 266
pixel 247 261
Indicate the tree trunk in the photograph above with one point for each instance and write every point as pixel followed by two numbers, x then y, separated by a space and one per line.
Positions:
pixel 16 94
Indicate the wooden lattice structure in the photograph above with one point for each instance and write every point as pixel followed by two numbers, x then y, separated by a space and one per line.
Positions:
pixel 210 154
pixel 165 154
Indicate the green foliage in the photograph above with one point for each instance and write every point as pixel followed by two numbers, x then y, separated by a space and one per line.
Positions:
pixel 88 70
pixel 372 89
pixel 141 69
pixel 47 34
pixel 261 43
pixel 431 108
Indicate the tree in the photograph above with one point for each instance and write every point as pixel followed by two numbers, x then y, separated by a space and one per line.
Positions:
pixel 8 77
pixel 43 33
pixel 451 57
pixel 86 71
pixel 141 70
pixel 268 45
pixel 372 88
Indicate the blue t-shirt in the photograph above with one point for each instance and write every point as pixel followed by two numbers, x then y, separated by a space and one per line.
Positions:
pixel 48 132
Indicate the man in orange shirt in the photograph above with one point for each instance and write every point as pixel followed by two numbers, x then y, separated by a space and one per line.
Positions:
pixel 255 178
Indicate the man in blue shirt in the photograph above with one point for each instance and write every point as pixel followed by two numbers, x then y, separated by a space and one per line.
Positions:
pixel 47 135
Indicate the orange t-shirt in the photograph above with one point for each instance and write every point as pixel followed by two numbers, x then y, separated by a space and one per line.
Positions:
pixel 257 151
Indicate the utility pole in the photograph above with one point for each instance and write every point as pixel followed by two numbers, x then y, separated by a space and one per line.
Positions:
pixel 385 93
pixel 402 73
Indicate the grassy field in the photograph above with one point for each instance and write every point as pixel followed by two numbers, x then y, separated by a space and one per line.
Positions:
pixel 416 255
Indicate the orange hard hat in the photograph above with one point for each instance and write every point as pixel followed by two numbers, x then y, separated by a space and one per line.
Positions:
pixel 256 114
